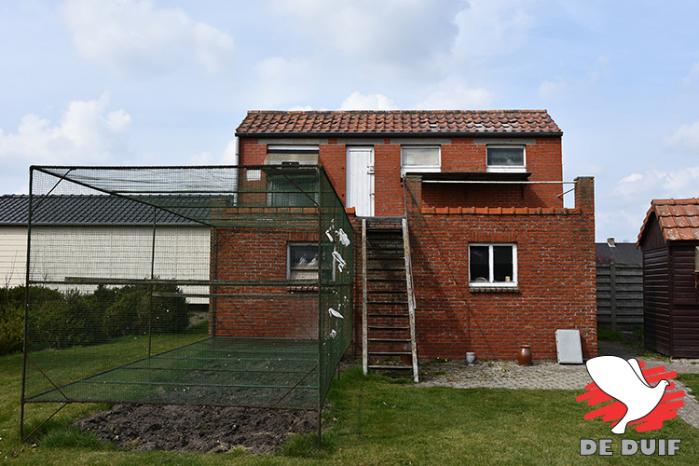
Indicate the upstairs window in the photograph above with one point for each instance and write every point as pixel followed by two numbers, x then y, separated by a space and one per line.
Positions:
pixel 506 158
pixel 419 159
pixel 493 265
pixel 302 261
pixel 293 188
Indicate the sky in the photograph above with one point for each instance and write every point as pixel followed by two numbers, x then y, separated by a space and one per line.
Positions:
pixel 167 81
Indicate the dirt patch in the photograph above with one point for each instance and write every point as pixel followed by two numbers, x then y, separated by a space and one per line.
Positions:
pixel 197 428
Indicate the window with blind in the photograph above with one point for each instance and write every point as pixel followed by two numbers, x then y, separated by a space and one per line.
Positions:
pixel 420 159
pixel 506 158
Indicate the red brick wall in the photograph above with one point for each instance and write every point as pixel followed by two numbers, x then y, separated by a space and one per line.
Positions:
pixel 556 275
pixel 463 154
pixel 260 255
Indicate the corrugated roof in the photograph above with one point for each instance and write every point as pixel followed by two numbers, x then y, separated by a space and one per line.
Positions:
pixel 86 210
pixel 622 253
pixel 678 218
pixel 398 122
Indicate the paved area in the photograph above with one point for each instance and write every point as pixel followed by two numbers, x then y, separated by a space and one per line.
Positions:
pixel 544 376
pixel 505 374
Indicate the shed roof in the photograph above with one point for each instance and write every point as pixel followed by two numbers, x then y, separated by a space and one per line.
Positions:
pixel 398 122
pixel 678 219
pixel 622 253
pixel 82 210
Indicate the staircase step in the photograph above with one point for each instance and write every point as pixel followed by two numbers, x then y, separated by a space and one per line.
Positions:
pixel 383 314
pixel 387 280
pixel 387 327
pixel 390 353
pixel 391 340
pixel 386 302
pixel 389 367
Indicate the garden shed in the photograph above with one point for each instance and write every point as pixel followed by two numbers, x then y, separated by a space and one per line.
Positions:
pixel 669 239
pixel 100 329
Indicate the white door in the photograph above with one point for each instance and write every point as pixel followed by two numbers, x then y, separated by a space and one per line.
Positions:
pixel 360 180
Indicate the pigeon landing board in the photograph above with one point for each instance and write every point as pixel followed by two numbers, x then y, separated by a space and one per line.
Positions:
pixel 624 381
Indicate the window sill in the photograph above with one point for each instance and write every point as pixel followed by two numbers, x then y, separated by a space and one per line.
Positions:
pixel 492 169
pixel 493 289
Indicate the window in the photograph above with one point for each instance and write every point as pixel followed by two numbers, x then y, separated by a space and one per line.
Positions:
pixel 506 158
pixel 419 159
pixel 294 188
pixel 302 261
pixel 493 264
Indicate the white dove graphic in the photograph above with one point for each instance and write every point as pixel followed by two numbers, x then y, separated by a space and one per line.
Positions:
pixel 334 313
pixel 624 381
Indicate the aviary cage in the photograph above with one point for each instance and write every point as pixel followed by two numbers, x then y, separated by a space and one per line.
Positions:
pixel 258 314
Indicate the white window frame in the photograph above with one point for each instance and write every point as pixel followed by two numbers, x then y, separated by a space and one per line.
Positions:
pixel 421 168
pixel 507 168
pixel 291 244
pixel 491 267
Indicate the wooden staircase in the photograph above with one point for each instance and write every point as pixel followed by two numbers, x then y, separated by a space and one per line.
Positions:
pixel 388 303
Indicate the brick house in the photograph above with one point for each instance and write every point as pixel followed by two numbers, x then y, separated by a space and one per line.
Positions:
pixel 496 260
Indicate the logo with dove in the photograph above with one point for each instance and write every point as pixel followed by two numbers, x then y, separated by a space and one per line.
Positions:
pixel 628 395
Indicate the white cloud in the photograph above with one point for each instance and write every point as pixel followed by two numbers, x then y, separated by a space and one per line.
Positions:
pixel 134 34
pixel 450 95
pixel 281 82
pixel 88 132
pixel 396 31
pixel 686 137
pixel 491 27
pixel 659 183
pixel 229 156
pixel 358 101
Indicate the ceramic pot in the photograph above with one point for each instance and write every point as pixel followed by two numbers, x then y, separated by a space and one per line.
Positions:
pixel 470 358
pixel 524 357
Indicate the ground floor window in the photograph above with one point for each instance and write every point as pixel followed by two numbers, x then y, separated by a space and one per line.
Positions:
pixel 493 264
pixel 302 261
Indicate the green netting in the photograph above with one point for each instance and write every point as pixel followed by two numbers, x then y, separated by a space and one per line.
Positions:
pixel 227 286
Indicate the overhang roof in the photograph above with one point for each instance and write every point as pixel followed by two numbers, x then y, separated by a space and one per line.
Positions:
pixel 474 176
pixel 83 210
pixel 678 219
pixel 270 123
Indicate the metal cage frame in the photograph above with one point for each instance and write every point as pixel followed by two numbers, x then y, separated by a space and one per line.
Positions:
pixel 241 200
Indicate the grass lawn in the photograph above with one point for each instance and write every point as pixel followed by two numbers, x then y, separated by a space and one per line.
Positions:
pixel 371 421
pixel 692 382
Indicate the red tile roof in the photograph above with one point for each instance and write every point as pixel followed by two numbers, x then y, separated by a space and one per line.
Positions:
pixel 398 122
pixel 678 218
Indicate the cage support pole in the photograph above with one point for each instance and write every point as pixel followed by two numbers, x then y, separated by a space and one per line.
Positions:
pixel 213 268
pixel 321 368
pixel 27 297
pixel 152 277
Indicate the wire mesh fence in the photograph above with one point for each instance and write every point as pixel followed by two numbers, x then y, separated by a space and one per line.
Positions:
pixel 227 286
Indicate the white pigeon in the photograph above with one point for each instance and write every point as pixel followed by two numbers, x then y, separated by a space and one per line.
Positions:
pixel 334 313
pixel 624 381
pixel 340 261
pixel 342 236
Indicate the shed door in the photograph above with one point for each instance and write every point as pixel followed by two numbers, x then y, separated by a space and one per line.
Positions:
pixel 360 180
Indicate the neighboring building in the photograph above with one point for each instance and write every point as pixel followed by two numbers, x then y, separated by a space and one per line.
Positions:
pixel 619 285
pixel 497 261
pixel 75 233
pixel 669 239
